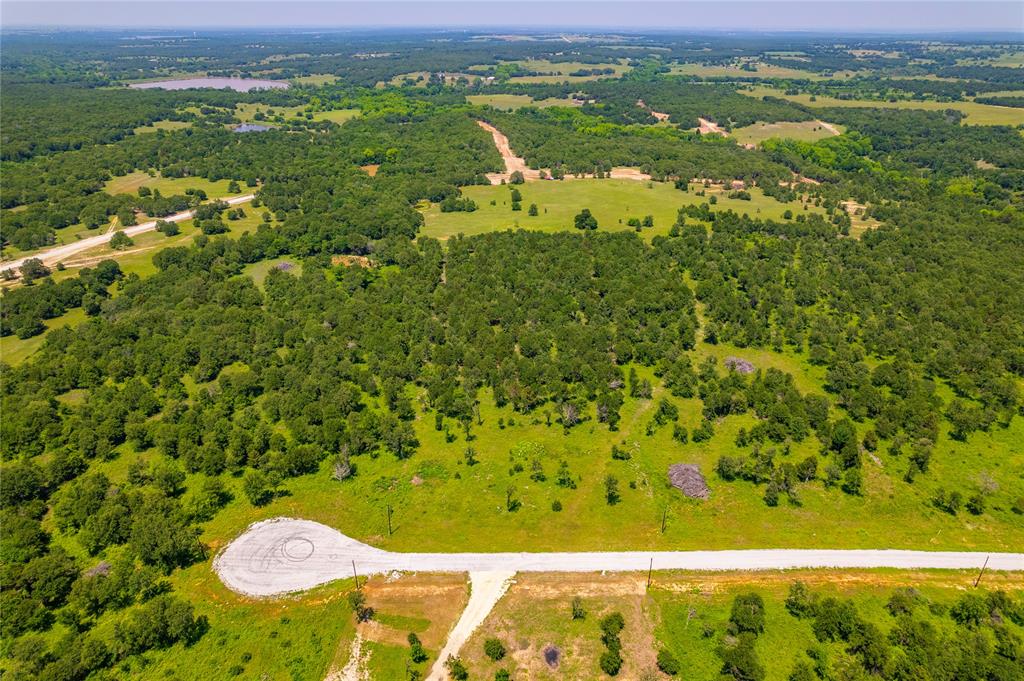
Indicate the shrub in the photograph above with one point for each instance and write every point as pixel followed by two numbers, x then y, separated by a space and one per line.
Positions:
pixel 748 613
pixel 416 652
pixel 578 611
pixel 611 662
pixel 120 241
pixel 667 662
pixel 457 670
pixel 494 649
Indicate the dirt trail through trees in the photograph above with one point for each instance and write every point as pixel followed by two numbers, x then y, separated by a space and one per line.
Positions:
pixel 513 163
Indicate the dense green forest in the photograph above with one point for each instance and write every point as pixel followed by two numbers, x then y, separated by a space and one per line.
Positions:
pixel 196 395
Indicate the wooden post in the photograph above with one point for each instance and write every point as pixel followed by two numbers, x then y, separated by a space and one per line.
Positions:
pixel 664 515
pixel 981 573
pixel 650 568
pixel 355 574
pixel 389 520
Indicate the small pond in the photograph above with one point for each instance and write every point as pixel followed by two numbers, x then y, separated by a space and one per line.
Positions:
pixel 236 84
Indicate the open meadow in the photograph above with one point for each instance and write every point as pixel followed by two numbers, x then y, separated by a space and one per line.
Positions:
pixel 613 203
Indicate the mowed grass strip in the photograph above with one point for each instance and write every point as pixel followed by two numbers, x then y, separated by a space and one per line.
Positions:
pixel 613 202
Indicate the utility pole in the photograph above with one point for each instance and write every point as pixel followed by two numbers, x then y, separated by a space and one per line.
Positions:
pixel 982 572
pixel 389 520
pixel 355 574
pixel 664 515
pixel 650 568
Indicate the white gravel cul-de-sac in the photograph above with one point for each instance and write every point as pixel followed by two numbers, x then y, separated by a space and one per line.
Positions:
pixel 284 555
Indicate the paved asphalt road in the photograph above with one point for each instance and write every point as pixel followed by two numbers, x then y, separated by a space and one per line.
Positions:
pixel 56 254
pixel 283 555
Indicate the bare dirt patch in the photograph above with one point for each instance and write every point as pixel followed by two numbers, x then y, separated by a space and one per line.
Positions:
pixel 370 169
pixel 711 128
pixel 350 260
pixel 657 114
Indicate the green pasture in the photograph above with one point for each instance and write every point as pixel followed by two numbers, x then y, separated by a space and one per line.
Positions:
pixel 613 202
pixel 805 131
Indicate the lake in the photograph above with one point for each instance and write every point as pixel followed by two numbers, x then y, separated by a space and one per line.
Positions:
pixel 236 84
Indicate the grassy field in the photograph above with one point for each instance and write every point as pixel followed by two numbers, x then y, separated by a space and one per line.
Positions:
pixel 442 504
pixel 674 613
pixel 420 78
pixel 168 186
pixel 246 113
pixel 14 350
pixel 807 131
pixel 259 271
pixel 162 125
pixel 290 638
pixel 510 102
pixel 613 202
pixel 976 114
pixel 316 79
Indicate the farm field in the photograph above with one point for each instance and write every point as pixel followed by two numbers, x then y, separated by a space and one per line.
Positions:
pixel 976 114
pixel 805 131
pixel 613 202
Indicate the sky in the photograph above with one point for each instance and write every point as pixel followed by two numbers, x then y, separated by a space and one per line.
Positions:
pixel 900 16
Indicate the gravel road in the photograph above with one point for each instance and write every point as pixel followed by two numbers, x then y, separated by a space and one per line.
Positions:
pixel 284 555
pixel 54 255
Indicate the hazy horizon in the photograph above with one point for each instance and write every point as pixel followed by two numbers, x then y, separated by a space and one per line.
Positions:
pixel 745 16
